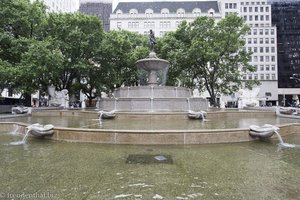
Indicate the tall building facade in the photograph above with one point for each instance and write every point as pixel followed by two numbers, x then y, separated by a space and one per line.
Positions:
pixel 286 17
pixel 261 41
pixel 163 16
pixel 101 8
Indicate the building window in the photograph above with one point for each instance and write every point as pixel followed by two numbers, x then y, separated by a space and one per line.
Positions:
pixel 272 31
pixel 267 32
pixel 254 40
pixel 272 40
pixel 255 49
pixel 133 11
pixel 262 77
pixel 261 9
pixel 261 59
pixel 273 77
pixel 273 58
pixel 119 13
pixel 165 12
pixel 273 67
pixel 267 76
pixel 272 49
pixel 149 13
pixel 261 68
pixel 211 12
pixel 245 9
pixel 261 49
pixel 196 12
pixel 119 24
pixel 267 49
pixel 255 76
pixel 255 59
pixel 267 40
pixel 267 17
pixel 254 31
pixel 180 12
pixel 250 9
pixel 267 68
pixel 249 41
pixel 261 40
pixel 267 9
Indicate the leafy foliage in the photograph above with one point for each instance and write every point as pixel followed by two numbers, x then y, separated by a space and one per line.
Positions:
pixel 206 54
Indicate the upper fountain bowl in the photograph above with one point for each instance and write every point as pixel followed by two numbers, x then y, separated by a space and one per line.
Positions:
pixel 152 63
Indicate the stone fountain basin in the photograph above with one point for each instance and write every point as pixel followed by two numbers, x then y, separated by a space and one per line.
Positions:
pixel 113 135
pixel 152 64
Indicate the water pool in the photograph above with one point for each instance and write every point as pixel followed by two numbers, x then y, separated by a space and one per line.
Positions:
pixel 148 122
pixel 62 170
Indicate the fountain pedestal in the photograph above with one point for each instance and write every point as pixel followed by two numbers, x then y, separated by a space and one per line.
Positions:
pixel 153 97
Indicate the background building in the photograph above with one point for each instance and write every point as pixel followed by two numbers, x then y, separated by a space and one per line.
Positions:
pixel 99 8
pixel 286 17
pixel 160 16
pixel 61 5
pixel 261 41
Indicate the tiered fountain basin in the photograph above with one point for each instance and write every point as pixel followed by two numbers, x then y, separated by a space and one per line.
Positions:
pixel 152 128
pixel 153 99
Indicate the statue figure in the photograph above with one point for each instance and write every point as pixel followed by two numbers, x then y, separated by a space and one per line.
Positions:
pixel 152 40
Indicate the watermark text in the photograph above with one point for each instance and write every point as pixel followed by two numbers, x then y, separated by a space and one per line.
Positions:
pixel 27 195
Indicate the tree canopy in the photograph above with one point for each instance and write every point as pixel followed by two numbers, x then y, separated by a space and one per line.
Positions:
pixel 208 54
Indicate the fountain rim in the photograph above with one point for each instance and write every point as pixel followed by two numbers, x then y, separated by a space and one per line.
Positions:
pixel 154 137
pixel 152 59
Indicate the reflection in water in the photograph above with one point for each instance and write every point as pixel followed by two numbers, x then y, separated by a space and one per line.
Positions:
pixel 252 170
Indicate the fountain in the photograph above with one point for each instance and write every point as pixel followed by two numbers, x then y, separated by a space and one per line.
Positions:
pixel 153 97
pixel 153 114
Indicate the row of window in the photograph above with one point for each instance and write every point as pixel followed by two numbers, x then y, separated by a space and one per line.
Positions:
pixel 149 24
pixel 261 49
pixel 230 5
pixel 261 41
pixel 256 9
pixel 164 11
pixel 262 59
pixel 267 31
pixel 257 18
pixel 265 68
pixel 261 76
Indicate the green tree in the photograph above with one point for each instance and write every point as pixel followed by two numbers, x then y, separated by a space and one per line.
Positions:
pixel 209 54
pixel 77 37
pixel 38 67
pixel 19 26
pixel 120 50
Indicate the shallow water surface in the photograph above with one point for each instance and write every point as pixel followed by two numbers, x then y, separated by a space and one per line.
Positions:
pixel 150 123
pixel 61 170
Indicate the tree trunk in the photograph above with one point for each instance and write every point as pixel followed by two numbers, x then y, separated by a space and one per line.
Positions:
pixel 27 100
